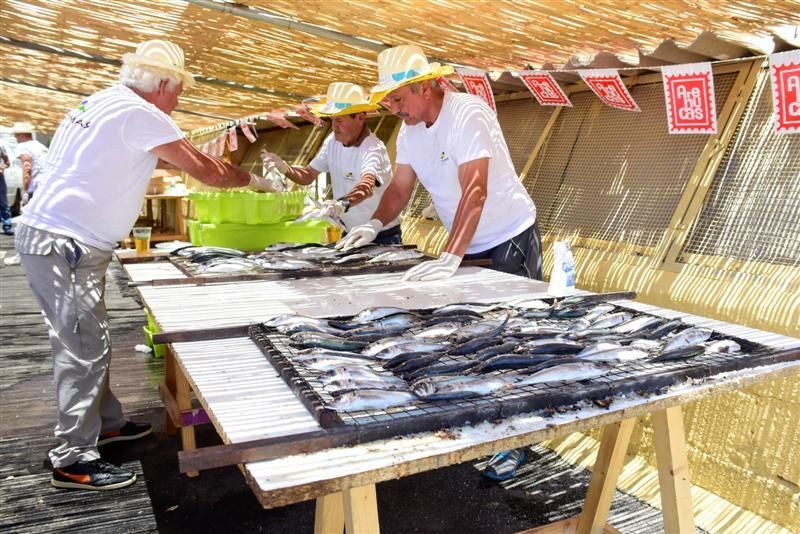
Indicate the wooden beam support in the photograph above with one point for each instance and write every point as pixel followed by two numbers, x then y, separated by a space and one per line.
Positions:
pixel 169 387
pixel 329 514
pixel 673 470
pixel 606 471
pixel 361 510
pixel 185 404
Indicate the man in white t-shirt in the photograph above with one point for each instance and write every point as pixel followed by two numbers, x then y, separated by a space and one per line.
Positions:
pixel 89 196
pixel 453 144
pixel 31 154
pixel 354 158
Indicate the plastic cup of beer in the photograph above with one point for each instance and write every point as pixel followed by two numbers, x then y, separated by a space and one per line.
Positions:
pixel 141 238
pixel 334 233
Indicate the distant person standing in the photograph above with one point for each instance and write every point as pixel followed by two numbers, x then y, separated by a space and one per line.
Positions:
pixel 32 154
pixel 5 211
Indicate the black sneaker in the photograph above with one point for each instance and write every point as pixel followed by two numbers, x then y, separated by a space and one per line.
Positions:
pixel 97 475
pixel 128 432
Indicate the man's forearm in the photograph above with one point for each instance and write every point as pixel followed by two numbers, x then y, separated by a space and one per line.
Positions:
pixel 302 175
pixel 364 189
pixel 473 177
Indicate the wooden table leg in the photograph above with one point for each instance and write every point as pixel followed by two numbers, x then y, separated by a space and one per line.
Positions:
pixel 329 515
pixel 361 510
pixel 673 470
pixel 185 404
pixel 606 471
pixel 169 383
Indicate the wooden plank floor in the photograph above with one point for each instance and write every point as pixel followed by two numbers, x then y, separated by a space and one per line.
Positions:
pixel 28 503
pixel 453 499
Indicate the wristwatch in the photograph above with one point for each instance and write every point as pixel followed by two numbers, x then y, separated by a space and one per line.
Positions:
pixel 346 203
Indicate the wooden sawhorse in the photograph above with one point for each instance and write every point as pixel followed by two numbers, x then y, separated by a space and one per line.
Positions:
pixel 355 510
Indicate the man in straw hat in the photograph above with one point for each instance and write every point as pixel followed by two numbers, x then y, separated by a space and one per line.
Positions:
pixel 354 157
pixel 453 143
pixel 31 154
pixel 98 168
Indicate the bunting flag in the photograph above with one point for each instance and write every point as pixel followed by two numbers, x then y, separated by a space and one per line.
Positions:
pixel 689 95
pixel 221 144
pixel 446 84
pixel 784 68
pixel 245 126
pixel 279 118
pixel 544 87
pixel 477 83
pixel 204 148
pixel 608 86
pixel 310 117
pixel 233 139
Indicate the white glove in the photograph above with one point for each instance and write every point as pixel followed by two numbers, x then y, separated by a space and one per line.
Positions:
pixel 333 209
pixel 441 268
pixel 360 235
pixel 261 183
pixel 24 199
pixel 268 159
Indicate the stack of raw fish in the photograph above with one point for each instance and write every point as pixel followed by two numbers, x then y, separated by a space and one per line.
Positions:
pixel 386 357
pixel 291 257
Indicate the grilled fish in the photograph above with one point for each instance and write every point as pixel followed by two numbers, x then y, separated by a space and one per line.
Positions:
pixel 371 399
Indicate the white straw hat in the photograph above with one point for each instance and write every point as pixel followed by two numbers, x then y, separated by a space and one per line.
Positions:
pixel 403 65
pixel 160 55
pixel 343 99
pixel 22 127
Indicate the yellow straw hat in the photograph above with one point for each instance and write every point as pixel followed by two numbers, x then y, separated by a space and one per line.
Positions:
pixel 161 55
pixel 343 99
pixel 403 65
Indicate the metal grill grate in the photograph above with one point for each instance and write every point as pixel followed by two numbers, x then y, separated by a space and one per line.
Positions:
pixel 752 211
pixel 640 376
pixel 522 122
pixel 613 175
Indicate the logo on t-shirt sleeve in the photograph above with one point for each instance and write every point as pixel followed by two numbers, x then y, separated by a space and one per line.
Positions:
pixel 74 116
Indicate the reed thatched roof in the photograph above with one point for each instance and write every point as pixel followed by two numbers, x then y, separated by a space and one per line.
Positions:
pixel 55 51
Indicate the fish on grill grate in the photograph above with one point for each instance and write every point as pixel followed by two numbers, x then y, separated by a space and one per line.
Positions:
pixel 411 345
pixel 683 352
pixel 611 320
pixel 568 371
pixel 371 399
pixel 325 341
pixel 460 388
pixel 397 256
pixel 357 373
pixel 690 336
pixel 620 354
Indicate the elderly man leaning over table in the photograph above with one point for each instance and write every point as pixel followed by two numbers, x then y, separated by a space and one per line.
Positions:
pixel 452 143
pixel 355 158
pixel 89 195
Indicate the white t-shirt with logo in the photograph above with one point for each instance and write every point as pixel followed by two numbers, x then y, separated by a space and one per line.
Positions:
pixel 38 154
pixel 347 164
pixel 465 130
pixel 99 166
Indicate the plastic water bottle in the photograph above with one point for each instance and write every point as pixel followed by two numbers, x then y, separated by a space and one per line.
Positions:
pixel 562 278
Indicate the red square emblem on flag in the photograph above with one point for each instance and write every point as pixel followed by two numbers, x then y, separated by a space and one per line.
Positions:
pixel 544 88
pixel 608 86
pixel 689 96
pixel 786 93
pixel 477 83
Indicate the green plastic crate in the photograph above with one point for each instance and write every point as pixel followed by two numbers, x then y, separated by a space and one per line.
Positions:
pixel 247 207
pixel 158 350
pixel 256 236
